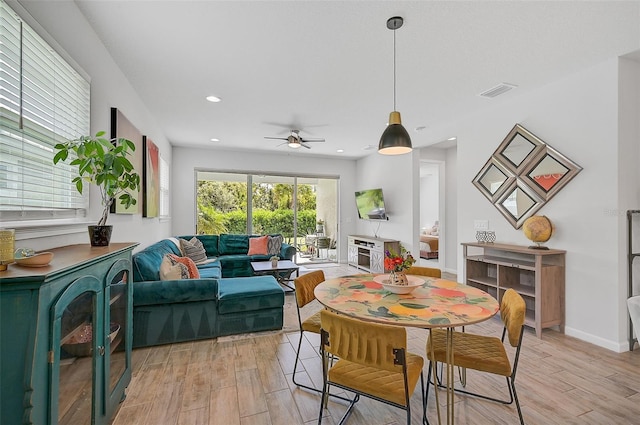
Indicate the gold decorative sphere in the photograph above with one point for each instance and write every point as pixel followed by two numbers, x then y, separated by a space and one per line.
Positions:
pixel 538 229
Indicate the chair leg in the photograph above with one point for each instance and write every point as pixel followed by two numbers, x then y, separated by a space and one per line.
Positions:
pixel 512 387
pixel 425 421
pixel 295 368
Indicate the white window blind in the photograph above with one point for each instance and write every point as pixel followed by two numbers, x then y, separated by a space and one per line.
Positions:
pixel 164 188
pixel 43 101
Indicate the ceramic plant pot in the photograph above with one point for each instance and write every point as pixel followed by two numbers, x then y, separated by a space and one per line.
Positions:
pixel 100 235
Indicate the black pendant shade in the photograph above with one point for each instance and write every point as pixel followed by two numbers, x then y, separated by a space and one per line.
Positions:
pixel 395 139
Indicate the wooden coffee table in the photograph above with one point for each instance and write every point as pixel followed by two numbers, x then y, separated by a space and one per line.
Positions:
pixel 282 272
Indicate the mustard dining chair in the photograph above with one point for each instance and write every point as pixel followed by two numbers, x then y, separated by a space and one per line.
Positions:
pixel 424 271
pixel 485 353
pixel 373 361
pixel 304 286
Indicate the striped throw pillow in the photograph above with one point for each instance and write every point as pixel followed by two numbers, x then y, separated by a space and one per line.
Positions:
pixel 194 249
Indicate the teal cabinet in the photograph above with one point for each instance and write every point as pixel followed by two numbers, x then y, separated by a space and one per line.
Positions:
pixel 66 337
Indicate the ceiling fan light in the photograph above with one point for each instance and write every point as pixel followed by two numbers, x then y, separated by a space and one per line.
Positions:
pixel 294 144
pixel 395 139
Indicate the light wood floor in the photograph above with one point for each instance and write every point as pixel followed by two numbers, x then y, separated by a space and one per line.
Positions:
pixel 246 380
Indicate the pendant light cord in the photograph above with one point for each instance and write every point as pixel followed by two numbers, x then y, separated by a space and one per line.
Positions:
pixel 394 69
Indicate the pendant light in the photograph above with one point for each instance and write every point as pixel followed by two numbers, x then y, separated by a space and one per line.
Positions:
pixel 395 140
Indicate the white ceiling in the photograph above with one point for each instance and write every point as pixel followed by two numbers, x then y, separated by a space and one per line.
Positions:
pixel 326 67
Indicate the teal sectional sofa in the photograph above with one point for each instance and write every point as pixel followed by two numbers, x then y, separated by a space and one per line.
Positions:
pixel 227 299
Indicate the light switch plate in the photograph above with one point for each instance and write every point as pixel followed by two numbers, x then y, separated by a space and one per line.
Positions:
pixel 481 224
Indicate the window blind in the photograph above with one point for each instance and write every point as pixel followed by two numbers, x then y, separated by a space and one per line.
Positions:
pixel 43 101
pixel 164 188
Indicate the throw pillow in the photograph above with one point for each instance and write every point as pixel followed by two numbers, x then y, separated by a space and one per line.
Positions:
pixel 274 245
pixel 189 264
pixel 172 270
pixel 194 249
pixel 258 246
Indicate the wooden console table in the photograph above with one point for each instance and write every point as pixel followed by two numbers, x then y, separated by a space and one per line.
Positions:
pixel 536 274
pixel 65 336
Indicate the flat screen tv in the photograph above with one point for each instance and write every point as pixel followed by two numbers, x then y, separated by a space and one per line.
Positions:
pixel 370 204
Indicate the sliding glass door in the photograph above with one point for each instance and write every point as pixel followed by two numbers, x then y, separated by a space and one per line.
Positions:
pixel 303 209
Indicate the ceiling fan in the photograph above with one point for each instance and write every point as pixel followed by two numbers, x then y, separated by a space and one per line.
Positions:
pixel 295 141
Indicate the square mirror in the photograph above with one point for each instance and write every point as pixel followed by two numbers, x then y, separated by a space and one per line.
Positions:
pixel 492 179
pixel 550 172
pixel 518 203
pixel 517 149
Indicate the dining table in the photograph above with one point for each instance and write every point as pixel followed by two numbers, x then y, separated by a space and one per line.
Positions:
pixel 434 303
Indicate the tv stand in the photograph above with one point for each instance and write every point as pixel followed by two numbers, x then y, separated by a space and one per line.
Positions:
pixel 367 253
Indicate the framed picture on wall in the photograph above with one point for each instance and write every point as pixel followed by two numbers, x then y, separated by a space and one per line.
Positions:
pixel 122 127
pixel 150 179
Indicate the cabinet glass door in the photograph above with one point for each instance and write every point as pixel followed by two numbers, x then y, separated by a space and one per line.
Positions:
pixel 76 337
pixel 117 341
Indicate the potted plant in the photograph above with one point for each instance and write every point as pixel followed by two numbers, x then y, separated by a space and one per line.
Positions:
pixel 105 163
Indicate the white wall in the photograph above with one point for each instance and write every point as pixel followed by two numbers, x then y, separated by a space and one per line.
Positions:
pixel 396 176
pixel 579 117
pixel 109 88
pixel 450 221
pixel 187 160
pixel 628 174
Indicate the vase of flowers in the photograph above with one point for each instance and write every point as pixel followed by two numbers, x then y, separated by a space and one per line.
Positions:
pixel 397 264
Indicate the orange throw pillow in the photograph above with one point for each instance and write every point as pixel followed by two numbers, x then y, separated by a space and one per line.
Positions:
pixel 191 266
pixel 258 246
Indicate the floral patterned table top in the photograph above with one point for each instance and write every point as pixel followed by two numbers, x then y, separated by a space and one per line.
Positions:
pixel 437 303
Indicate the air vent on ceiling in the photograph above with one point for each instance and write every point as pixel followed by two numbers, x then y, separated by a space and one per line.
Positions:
pixel 497 90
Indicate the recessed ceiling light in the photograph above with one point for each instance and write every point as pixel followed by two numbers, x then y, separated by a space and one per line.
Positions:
pixel 215 140
pixel 340 150
pixel 451 138
pixel 213 99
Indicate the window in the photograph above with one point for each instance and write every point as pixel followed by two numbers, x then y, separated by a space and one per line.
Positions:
pixel 164 188
pixel 43 101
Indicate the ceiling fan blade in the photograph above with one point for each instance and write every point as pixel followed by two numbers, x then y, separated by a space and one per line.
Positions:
pixel 283 143
pixel 311 140
pixel 276 138
pixel 302 144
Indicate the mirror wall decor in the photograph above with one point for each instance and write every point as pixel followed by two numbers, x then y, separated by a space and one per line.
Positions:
pixel 523 174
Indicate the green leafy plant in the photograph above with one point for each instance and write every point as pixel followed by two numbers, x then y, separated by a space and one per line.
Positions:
pixel 105 163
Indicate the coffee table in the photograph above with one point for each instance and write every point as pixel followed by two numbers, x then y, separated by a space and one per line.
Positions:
pixel 282 272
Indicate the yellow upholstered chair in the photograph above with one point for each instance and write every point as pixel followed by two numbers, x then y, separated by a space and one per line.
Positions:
pixel 424 271
pixel 304 286
pixel 486 353
pixel 373 361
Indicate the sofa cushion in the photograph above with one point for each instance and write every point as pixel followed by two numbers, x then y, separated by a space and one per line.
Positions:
pixel 193 249
pixel 274 244
pixel 258 246
pixel 172 270
pixel 146 263
pixel 233 244
pixel 210 243
pixel 174 291
pixel 189 264
pixel 210 272
pixel 249 293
